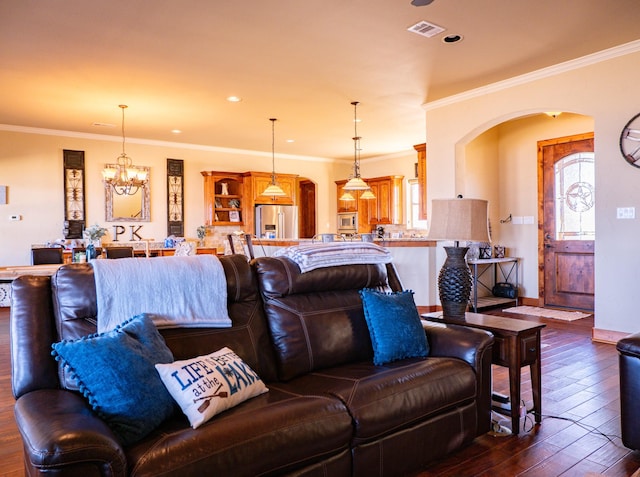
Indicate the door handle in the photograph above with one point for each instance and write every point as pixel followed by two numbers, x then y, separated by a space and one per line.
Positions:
pixel 547 237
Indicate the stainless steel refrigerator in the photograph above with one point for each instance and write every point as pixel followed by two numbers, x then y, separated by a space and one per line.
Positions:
pixel 277 221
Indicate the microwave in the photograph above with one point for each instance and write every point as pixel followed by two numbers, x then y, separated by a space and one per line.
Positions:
pixel 347 222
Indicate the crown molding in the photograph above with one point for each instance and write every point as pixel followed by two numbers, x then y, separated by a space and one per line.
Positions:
pixel 594 58
pixel 156 143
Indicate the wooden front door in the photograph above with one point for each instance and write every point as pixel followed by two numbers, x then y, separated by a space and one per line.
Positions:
pixel 567 222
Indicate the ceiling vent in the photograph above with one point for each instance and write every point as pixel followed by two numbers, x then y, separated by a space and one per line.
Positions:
pixel 425 28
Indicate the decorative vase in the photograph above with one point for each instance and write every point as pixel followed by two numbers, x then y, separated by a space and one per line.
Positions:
pixel 91 252
pixel 454 283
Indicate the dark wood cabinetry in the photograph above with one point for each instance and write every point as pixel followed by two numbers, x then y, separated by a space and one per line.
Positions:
pixel 230 197
pixel 223 198
pixel 386 208
pixel 257 182
pixel 421 149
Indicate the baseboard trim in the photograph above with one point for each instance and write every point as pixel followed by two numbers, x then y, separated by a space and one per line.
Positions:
pixel 607 336
pixel 428 309
pixel 524 301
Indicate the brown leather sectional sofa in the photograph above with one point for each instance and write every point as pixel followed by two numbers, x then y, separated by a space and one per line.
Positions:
pixel 329 411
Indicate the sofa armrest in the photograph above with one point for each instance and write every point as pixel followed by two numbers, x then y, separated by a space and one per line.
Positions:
pixel 629 369
pixel 62 434
pixel 473 346
pixel 630 345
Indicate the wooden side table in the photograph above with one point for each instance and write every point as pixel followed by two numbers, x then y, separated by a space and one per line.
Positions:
pixel 517 344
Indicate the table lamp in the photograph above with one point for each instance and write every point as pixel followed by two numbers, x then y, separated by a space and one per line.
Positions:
pixel 457 220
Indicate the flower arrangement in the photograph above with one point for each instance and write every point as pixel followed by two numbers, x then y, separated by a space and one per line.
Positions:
pixel 202 232
pixel 93 233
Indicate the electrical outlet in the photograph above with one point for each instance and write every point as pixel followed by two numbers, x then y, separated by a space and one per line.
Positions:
pixel 517 220
pixel 626 213
pixel 14 218
pixel 528 219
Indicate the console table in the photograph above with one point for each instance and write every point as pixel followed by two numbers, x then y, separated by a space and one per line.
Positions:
pixel 504 270
pixel 516 344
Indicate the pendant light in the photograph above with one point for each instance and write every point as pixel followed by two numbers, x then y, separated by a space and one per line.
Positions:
pixel 346 196
pixel 124 177
pixel 356 182
pixel 367 195
pixel 273 189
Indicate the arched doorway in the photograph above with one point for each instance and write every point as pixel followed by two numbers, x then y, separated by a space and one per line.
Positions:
pixel 498 162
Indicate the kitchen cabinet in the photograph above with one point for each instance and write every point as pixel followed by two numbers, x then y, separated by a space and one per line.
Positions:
pixel 347 205
pixel 223 198
pixel 421 149
pixel 387 207
pixel 359 205
pixel 230 197
pixel 257 182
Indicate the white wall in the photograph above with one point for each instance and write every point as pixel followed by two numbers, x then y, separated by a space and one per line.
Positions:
pixel 31 167
pixel 600 91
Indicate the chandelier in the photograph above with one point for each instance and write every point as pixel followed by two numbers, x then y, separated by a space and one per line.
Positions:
pixel 355 182
pixel 273 189
pixel 124 177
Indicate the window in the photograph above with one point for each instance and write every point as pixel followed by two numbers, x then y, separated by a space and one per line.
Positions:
pixel 413 203
pixel 575 197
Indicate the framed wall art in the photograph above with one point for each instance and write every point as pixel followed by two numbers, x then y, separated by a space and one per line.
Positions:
pixel 74 197
pixel 175 194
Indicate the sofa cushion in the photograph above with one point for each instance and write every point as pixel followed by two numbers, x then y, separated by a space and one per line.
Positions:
pixel 115 372
pixel 207 385
pixel 316 318
pixel 394 325
pixel 386 399
pixel 275 433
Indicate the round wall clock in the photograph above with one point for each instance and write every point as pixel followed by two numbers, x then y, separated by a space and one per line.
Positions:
pixel 630 141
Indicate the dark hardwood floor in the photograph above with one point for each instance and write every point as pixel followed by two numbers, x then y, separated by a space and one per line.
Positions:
pixel 579 434
pixel 10 442
pixel 580 430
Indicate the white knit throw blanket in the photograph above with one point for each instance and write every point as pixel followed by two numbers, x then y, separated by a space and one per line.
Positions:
pixel 176 291
pixel 319 255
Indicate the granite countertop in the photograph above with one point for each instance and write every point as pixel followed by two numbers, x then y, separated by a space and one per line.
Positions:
pixel 398 242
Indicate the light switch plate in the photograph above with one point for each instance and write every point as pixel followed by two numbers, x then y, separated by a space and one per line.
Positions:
pixel 626 213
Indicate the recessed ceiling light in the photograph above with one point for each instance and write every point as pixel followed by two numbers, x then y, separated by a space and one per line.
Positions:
pixel 452 38
pixel 176 131
pixel 234 99
pixel 291 140
pixel 103 125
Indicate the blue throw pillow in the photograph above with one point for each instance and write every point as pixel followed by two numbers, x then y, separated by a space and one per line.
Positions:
pixel 116 373
pixel 394 326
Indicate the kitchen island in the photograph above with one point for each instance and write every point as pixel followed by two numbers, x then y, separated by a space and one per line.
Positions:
pixel 414 259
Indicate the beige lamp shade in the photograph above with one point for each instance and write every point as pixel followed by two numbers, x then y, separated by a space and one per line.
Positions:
pixel 459 220
pixel 355 183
